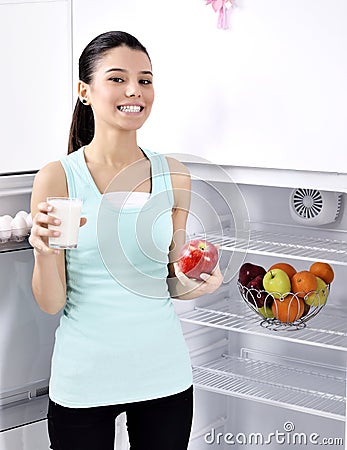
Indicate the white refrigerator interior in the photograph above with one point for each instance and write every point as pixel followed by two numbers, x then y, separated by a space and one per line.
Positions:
pixel 253 382
pixel 255 385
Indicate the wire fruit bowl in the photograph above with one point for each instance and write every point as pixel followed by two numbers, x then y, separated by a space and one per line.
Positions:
pixel 287 311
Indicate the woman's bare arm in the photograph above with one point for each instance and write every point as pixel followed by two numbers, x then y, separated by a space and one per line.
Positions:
pixel 48 281
pixel 180 286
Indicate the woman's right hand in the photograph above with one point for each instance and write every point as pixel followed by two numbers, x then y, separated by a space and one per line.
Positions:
pixel 40 233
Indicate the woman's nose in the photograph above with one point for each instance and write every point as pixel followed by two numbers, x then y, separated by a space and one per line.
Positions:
pixel 133 90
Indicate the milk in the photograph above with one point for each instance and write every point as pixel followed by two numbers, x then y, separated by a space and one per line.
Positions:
pixel 68 210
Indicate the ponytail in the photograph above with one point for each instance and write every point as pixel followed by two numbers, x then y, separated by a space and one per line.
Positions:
pixel 82 127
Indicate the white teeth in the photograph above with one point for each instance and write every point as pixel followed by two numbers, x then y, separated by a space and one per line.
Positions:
pixel 130 108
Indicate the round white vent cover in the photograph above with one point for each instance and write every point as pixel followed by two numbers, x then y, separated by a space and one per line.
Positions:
pixel 310 206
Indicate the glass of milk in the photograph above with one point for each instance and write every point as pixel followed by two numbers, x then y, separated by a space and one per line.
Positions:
pixel 68 210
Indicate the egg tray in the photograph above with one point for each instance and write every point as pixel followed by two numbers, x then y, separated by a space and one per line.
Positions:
pixel 18 235
pixel 254 298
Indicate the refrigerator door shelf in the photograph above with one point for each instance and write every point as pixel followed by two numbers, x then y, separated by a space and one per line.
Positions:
pixel 23 413
pixel 23 393
pixel 15 245
pixel 15 193
pixel 275 384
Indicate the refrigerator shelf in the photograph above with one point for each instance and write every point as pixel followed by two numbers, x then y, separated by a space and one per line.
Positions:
pixel 327 329
pixel 281 245
pixel 278 385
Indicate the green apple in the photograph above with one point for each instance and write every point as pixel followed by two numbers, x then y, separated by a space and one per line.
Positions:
pixel 266 312
pixel 319 297
pixel 277 282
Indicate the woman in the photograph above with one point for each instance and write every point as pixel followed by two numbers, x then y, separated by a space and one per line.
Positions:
pixel 119 346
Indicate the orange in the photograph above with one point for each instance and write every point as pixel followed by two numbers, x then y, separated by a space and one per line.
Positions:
pixel 288 309
pixel 288 269
pixel 303 282
pixel 322 270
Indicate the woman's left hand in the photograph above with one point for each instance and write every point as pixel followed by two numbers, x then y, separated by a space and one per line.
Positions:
pixel 195 288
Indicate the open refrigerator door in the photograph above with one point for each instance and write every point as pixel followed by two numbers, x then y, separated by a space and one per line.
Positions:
pixel 27 333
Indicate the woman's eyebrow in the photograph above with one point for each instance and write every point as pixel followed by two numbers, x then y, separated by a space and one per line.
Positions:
pixel 118 69
pixel 146 72
pixel 115 69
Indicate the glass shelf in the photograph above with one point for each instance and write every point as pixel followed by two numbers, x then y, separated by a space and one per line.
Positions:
pixel 283 245
pixel 279 385
pixel 327 329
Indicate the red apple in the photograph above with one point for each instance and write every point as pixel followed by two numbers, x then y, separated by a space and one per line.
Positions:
pixel 249 271
pixel 197 257
pixel 256 294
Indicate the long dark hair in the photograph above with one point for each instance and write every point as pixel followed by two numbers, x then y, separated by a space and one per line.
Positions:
pixel 82 125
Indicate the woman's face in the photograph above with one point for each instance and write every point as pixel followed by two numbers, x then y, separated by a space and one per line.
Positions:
pixel 121 93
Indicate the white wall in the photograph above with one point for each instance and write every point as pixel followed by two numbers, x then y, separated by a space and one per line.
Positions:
pixel 270 91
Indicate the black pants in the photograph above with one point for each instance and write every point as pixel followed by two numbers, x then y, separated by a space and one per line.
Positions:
pixel 159 424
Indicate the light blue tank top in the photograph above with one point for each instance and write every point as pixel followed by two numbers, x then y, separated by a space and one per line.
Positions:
pixel 119 339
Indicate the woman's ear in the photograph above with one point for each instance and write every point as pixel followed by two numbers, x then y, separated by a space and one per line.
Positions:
pixel 83 90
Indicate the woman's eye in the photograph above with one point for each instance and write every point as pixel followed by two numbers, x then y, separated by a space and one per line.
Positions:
pixel 145 81
pixel 116 79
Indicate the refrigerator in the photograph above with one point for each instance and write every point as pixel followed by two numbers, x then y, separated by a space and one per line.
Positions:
pixel 273 124
pixel 259 382
pixel 255 383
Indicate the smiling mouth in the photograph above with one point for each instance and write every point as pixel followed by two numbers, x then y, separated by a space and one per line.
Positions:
pixel 130 108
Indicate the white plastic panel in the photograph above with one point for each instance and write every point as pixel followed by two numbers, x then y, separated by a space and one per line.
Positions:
pixel 35 45
pixel 268 92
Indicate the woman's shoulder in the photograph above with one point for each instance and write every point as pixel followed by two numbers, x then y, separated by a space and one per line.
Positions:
pixel 53 169
pixel 180 175
pixel 176 166
pixel 52 177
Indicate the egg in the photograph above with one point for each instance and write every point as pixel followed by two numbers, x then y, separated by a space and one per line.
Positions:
pixel 8 219
pixel 29 221
pixel 19 227
pixel 5 228
pixel 22 214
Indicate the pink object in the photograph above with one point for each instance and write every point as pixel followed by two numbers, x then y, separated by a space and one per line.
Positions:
pixel 221 6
